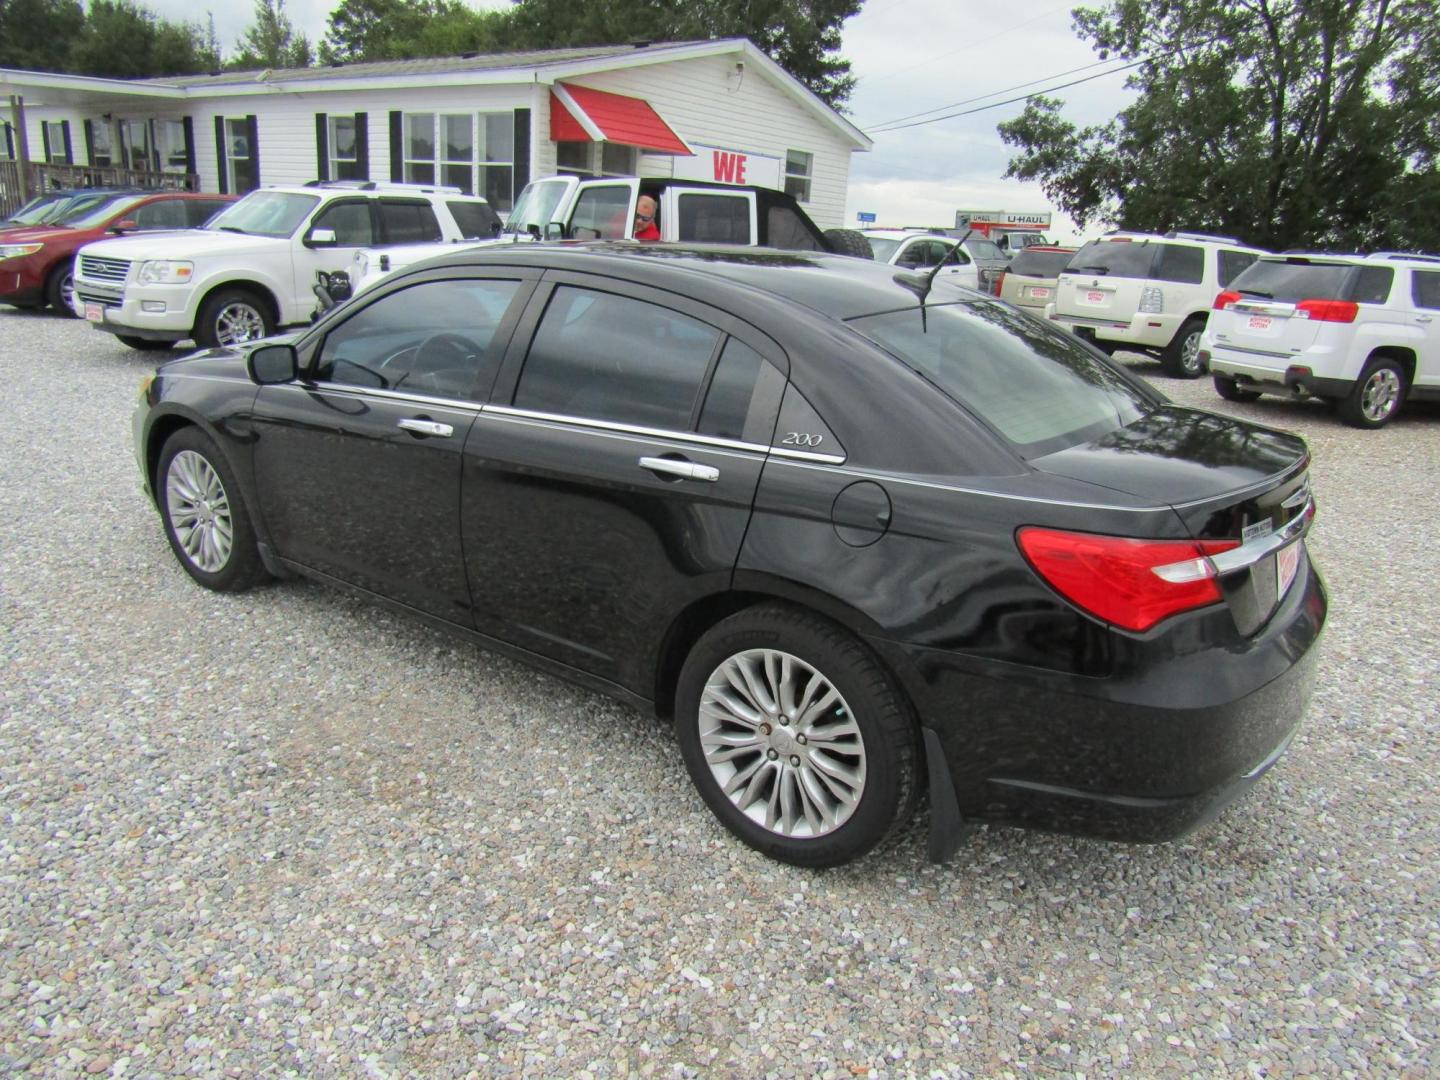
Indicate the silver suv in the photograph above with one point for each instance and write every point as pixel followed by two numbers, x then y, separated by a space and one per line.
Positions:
pixel 1149 293
pixel 1362 332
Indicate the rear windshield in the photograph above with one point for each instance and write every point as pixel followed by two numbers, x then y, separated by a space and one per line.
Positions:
pixel 1043 264
pixel 1036 387
pixel 1302 279
pixel 1113 258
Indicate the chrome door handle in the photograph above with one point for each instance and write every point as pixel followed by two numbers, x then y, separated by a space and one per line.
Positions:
pixel 427 427
pixel 1425 318
pixel 686 470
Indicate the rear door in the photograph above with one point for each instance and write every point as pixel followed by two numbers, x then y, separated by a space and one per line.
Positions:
pixel 1425 289
pixel 610 483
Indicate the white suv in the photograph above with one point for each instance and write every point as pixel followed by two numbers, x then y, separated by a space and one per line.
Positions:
pixel 923 250
pixel 1149 293
pixel 251 269
pixel 1362 332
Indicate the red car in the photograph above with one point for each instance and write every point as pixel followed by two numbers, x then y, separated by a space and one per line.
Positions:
pixel 37 262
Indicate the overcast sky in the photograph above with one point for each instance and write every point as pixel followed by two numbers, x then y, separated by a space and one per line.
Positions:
pixel 909 56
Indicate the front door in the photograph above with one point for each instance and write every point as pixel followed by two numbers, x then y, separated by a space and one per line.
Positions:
pixel 389 397
pixel 615 486
pixel 352 221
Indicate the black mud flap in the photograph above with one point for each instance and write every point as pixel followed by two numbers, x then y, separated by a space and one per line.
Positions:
pixel 947 828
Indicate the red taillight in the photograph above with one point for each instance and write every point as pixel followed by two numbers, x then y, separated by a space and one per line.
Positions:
pixel 1327 310
pixel 1133 584
pixel 1224 300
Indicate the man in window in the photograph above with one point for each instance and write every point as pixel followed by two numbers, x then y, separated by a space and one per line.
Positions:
pixel 645 227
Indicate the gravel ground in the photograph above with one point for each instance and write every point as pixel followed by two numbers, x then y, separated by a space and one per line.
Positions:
pixel 286 834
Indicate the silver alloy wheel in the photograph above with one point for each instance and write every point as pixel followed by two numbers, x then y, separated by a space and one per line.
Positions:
pixel 199 511
pixel 781 743
pixel 1380 394
pixel 67 292
pixel 238 321
pixel 1190 352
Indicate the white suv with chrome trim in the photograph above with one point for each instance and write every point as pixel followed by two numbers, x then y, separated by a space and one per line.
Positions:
pixel 251 269
pixel 1362 332
pixel 1149 293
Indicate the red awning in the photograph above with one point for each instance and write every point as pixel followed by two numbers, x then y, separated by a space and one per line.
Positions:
pixel 579 114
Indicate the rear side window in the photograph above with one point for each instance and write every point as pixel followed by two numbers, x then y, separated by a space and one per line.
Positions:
pixel 715 219
pixel 408 222
pixel 475 219
pixel 1372 285
pixel 787 230
pixel 1037 388
pixel 737 399
pixel 1113 258
pixel 1426 289
pixel 1233 263
pixel 615 358
pixel 1181 264
pixel 1041 264
pixel 162 214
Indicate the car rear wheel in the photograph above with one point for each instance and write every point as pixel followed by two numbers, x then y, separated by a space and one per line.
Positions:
pixel 60 289
pixel 1181 357
pixel 796 737
pixel 231 317
pixel 1231 390
pixel 849 242
pixel 144 344
pixel 1376 396
pixel 205 517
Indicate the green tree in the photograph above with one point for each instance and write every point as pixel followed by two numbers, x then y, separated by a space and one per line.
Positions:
pixel 271 41
pixel 121 40
pixel 404 29
pixel 1291 123
pixel 37 34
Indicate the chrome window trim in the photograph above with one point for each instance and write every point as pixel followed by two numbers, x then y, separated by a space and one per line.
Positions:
pixel 459 404
pixel 647 436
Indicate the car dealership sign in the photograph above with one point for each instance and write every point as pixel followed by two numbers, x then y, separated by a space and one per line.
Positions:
pixel 720 165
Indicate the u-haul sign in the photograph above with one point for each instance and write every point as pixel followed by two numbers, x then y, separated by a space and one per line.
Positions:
pixel 721 165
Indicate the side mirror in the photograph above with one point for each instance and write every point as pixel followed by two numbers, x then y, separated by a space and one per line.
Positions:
pixel 556 231
pixel 271 364
pixel 320 238
pixel 127 225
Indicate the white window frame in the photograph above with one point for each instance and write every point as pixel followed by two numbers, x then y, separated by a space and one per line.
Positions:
pixel 332 143
pixel 102 139
pixel 166 128
pixel 595 160
pixel 232 123
pixel 475 165
pixel 55 132
pixel 804 174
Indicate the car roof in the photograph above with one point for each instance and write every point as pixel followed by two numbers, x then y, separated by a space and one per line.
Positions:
pixel 837 286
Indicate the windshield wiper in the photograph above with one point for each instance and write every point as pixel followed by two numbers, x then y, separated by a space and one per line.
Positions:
pixel 231 228
pixel 1257 292
pixel 1089 270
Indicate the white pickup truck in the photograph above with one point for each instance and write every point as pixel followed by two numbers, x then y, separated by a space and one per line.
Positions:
pixel 251 270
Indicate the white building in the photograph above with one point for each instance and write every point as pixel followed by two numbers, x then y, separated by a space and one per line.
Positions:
pixel 717 110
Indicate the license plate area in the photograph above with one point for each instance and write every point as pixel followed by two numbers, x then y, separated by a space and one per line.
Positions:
pixel 1093 297
pixel 1037 292
pixel 1259 322
pixel 94 312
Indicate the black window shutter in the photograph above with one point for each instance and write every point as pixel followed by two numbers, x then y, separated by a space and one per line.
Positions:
pixel 362 144
pixel 45 139
pixel 9 142
pixel 69 150
pixel 252 133
pixel 220 154
pixel 522 152
pixel 189 126
pixel 89 142
pixel 322 146
pixel 397 138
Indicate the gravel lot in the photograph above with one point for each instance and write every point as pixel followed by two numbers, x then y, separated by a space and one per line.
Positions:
pixel 286 834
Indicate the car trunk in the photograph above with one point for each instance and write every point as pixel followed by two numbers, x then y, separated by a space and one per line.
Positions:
pixel 1224 478
pixel 1104 280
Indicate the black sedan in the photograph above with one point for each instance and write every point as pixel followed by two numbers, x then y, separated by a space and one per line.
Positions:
pixel 857 544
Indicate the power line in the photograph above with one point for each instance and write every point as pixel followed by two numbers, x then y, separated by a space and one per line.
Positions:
pixel 1008 101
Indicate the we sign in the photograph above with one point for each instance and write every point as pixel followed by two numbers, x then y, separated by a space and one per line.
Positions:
pixel 726 165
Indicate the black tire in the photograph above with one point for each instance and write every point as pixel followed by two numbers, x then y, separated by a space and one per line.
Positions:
pixel 1229 389
pixel 1181 358
pixel 1376 396
pixel 59 287
pixel 144 344
pixel 231 316
pixel 849 242
pixel 199 501
pixel 883 748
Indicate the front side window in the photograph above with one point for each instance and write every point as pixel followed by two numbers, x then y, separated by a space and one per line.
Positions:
pixel 1036 387
pixel 434 339
pixel 344 149
pixel 799 165
pixel 608 357
pixel 164 214
pixel 601 212
pixel 351 222
pixel 715 219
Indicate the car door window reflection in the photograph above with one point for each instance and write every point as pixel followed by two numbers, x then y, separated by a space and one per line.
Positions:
pixel 613 358
pixel 351 222
pixel 433 338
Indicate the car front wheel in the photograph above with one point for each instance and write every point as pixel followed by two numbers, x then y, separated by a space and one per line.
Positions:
pixel 232 317
pixel 206 520
pixel 796 737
